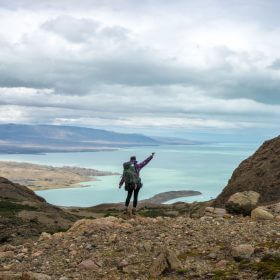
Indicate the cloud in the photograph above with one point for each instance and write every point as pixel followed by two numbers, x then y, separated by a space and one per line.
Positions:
pixel 172 108
pixel 152 63
pixel 275 64
pixel 79 30
pixel 13 114
pixel 72 29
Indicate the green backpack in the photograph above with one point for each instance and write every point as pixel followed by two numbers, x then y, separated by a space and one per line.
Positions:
pixel 130 176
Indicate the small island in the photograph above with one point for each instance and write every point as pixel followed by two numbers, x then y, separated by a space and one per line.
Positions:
pixel 43 177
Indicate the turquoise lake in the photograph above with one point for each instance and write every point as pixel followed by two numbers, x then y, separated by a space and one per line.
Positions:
pixel 204 168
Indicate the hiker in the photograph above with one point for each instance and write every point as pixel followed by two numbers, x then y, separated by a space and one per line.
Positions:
pixel 132 180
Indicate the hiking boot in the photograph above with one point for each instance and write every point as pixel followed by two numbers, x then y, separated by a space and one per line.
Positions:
pixel 133 211
pixel 125 211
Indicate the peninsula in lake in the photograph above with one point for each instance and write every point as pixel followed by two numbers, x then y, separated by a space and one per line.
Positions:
pixel 42 177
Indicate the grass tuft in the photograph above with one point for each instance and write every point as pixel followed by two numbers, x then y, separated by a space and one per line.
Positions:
pixel 268 268
pixel 8 208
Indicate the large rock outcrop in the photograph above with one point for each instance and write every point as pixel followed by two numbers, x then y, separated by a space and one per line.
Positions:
pixel 260 173
pixel 24 215
pixel 10 190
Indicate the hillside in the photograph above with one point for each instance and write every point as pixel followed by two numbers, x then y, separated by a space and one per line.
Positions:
pixel 260 173
pixel 24 215
pixel 17 138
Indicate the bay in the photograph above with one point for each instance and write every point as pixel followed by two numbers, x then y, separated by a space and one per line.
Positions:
pixel 205 168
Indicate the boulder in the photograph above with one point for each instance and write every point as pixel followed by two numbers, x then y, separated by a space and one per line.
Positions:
pixel 261 214
pixel 123 263
pixel 212 211
pixel 242 252
pixel 221 265
pixel 89 265
pixel 276 207
pixel 159 265
pixel 172 260
pixel 45 236
pixel 167 259
pixel 7 254
pixel 242 202
pixel 277 218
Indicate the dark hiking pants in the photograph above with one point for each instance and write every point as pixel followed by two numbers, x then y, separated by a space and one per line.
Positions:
pixel 135 196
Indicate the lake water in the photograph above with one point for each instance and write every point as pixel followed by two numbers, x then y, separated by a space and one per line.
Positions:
pixel 204 168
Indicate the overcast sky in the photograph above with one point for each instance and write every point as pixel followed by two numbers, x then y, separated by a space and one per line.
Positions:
pixel 152 66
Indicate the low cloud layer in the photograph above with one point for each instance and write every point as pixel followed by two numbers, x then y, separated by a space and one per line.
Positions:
pixel 190 64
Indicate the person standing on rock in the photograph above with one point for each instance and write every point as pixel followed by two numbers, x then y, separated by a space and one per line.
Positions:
pixel 131 179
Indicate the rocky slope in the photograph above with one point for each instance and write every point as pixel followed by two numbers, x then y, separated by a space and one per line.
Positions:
pixel 260 173
pixel 179 241
pixel 210 247
pixel 12 191
pixel 25 215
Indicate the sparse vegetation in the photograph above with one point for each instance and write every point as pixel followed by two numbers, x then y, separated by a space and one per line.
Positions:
pixel 182 271
pixel 268 267
pixel 8 208
pixel 223 274
pixel 185 255
pixel 153 213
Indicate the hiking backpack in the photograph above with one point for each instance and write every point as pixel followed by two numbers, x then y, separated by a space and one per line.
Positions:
pixel 130 176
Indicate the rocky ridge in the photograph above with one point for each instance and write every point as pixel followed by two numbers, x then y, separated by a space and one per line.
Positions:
pixel 260 173
pixel 24 215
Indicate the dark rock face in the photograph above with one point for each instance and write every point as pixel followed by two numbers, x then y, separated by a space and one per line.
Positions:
pixel 24 215
pixel 260 173
pixel 10 190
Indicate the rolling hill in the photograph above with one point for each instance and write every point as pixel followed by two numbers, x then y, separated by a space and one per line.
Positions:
pixel 23 138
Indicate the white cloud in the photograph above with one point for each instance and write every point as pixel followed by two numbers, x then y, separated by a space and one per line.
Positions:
pixel 180 107
pixel 13 114
pixel 149 63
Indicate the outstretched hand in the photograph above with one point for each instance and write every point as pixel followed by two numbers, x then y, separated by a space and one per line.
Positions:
pixel 153 154
pixel 120 185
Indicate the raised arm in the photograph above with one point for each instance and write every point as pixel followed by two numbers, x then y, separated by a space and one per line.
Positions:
pixel 145 162
pixel 121 181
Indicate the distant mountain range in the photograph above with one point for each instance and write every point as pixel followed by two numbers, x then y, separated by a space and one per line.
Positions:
pixel 23 138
